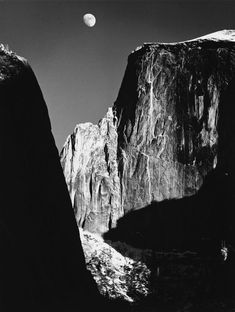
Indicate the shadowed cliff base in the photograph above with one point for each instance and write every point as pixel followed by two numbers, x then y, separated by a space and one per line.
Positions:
pixel 205 218
pixel 186 237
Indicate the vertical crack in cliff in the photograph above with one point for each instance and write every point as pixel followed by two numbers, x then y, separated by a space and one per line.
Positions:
pixel 149 177
pixel 73 171
pixel 150 106
pixel 106 153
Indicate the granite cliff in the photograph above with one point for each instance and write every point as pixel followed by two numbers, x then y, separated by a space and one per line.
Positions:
pixel 156 176
pixel 89 160
pixel 168 128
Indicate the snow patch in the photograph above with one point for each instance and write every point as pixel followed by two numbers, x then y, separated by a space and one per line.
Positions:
pixel 117 276
pixel 221 35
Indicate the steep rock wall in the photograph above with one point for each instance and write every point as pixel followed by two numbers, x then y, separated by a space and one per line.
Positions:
pixel 172 117
pixel 89 159
pixel 168 111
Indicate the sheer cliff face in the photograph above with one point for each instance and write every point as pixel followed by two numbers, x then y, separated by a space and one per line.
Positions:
pixel 89 159
pixel 168 110
pixel 168 130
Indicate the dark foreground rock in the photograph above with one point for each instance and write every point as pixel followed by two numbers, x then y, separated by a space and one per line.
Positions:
pixel 42 265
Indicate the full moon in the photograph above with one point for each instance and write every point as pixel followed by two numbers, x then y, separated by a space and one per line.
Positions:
pixel 89 20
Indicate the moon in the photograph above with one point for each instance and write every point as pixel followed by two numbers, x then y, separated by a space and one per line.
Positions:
pixel 89 19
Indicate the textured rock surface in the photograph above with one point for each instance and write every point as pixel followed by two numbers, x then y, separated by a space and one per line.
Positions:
pixel 171 125
pixel 89 159
pixel 42 266
pixel 168 111
pixel 116 274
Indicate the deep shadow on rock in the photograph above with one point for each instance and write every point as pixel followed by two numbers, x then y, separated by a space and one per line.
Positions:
pixel 42 264
pixel 191 223
pixel 198 224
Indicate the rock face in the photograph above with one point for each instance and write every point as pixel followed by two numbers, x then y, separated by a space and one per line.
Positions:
pixel 168 110
pixel 89 159
pixel 167 129
pixel 42 266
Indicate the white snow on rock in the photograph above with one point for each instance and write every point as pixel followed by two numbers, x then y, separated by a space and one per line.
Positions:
pixel 221 35
pixel 116 276
pixel 224 35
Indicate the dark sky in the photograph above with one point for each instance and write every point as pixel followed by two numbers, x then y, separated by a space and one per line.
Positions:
pixel 80 69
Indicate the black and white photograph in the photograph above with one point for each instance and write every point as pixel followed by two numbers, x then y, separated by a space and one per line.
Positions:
pixel 117 127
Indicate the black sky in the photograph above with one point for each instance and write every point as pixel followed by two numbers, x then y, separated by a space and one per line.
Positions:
pixel 80 69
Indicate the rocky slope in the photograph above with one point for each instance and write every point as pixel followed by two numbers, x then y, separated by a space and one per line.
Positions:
pixel 117 275
pixel 167 129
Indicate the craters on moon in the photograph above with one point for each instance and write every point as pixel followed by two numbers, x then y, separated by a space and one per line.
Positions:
pixel 89 19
